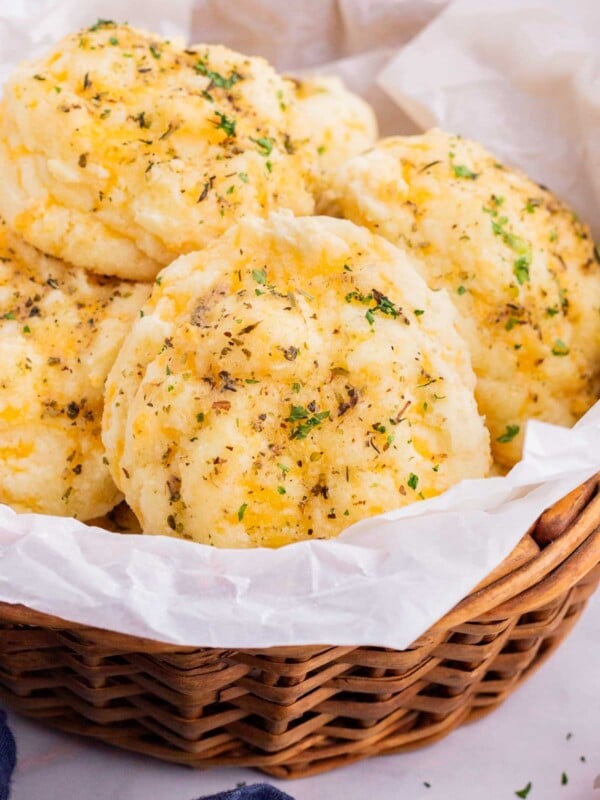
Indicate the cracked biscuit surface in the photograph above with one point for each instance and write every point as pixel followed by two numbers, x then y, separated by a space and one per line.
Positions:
pixel 120 151
pixel 293 377
pixel 60 330
pixel 519 266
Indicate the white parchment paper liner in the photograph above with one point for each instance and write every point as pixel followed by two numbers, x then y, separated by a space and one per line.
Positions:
pixel 386 580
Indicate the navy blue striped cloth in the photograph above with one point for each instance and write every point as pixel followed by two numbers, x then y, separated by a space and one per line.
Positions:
pixel 8 759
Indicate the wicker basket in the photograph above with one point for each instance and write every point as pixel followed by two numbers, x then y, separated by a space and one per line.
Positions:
pixel 294 711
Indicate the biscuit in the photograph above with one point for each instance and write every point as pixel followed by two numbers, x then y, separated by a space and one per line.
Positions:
pixel 119 150
pixel 293 377
pixel 519 266
pixel 339 124
pixel 60 330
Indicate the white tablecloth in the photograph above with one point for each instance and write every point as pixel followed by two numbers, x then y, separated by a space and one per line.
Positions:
pixel 541 731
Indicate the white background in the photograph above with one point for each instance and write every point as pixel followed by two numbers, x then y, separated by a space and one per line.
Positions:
pixel 523 740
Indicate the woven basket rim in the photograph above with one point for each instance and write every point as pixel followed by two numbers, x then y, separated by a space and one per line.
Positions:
pixel 574 552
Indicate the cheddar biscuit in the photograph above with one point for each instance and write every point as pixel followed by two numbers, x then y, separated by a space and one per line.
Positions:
pixel 520 268
pixel 119 150
pixel 338 124
pixel 60 330
pixel 293 377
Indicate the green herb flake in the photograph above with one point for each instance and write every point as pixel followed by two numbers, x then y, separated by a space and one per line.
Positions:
pixel 461 171
pixel 296 388
pixel 298 412
pixel 200 417
pixel 260 276
pixel 552 311
pixel 509 434
pixel 282 104
pixel 559 348
pixel 225 124
pixel 102 23
pixel 307 421
pixel 265 145
pixel 242 511
pixel 521 269
pixel 418 312
pixel 26 329
pixel 525 791
pixel 553 236
pixel 155 52
pixel 216 78
pixel 461 290
pixel 269 166
pixel 519 246
pixel 511 323
pixel 281 490
pixel 362 298
pixel 383 304
pixel 497 225
pixel 113 41
pixel 9 315
pixel 413 481
pixel 564 779
pixel 283 468
pixel 39 77
pixel 243 177
pixel 321 149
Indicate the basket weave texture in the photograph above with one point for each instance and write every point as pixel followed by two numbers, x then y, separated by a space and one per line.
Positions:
pixel 295 711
